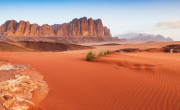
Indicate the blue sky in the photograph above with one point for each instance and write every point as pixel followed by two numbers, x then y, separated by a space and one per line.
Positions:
pixel 121 16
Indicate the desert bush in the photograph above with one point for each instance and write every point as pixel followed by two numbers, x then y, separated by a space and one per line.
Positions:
pixel 105 53
pixel 108 51
pixel 101 54
pixel 90 56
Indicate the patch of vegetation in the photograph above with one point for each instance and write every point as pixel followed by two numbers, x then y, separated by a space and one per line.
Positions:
pixel 90 56
pixel 101 54
pixel 105 53
pixel 108 51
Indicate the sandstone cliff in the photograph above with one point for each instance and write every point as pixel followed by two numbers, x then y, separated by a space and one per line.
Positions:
pixel 82 27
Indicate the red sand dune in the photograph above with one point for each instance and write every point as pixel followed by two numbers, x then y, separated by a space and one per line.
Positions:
pixel 119 81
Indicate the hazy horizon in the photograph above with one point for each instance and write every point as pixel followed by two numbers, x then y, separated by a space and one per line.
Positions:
pixel 139 16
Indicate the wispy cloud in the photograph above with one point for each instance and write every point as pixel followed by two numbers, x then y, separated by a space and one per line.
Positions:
pixel 170 24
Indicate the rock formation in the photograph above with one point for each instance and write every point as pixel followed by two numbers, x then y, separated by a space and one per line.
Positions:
pixel 174 48
pixel 82 27
pixel 21 87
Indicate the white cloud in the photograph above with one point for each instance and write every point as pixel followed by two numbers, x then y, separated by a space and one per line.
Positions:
pixel 170 24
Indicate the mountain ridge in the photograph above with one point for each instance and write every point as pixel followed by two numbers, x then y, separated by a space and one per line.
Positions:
pixel 144 37
pixel 82 27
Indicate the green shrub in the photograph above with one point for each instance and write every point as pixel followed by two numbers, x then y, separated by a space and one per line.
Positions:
pixel 90 56
pixel 101 54
pixel 108 52
pixel 105 53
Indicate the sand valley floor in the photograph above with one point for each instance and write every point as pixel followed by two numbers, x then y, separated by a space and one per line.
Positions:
pixel 119 81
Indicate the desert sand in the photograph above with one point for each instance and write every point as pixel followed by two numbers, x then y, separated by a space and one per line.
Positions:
pixel 118 81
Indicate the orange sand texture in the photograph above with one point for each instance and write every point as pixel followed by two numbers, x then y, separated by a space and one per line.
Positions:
pixel 119 81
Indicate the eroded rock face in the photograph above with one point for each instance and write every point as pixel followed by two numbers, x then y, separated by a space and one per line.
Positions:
pixel 21 87
pixel 8 28
pixel 82 27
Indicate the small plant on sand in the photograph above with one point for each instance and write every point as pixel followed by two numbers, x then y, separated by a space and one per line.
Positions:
pixel 101 54
pixel 108 51
pixel 105 53
pixel 90 56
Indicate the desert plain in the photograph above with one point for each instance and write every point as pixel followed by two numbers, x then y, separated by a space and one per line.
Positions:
pixel 117 81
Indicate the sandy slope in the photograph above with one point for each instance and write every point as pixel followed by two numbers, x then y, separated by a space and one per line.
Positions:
pixel 39 46
pixel 128 81
pixel 124 45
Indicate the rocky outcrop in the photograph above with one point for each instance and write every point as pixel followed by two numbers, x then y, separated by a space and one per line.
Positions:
pixel 8 29
pixel 174 48
pixel 82 27
pixel 21 87
pixel 12 28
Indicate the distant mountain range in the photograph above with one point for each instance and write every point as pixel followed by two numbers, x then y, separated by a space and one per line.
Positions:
pixel 144 37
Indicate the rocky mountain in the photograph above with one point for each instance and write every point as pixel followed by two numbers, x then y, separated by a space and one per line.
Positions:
pixel 144 37
pixel 82 27
pixel 127 35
